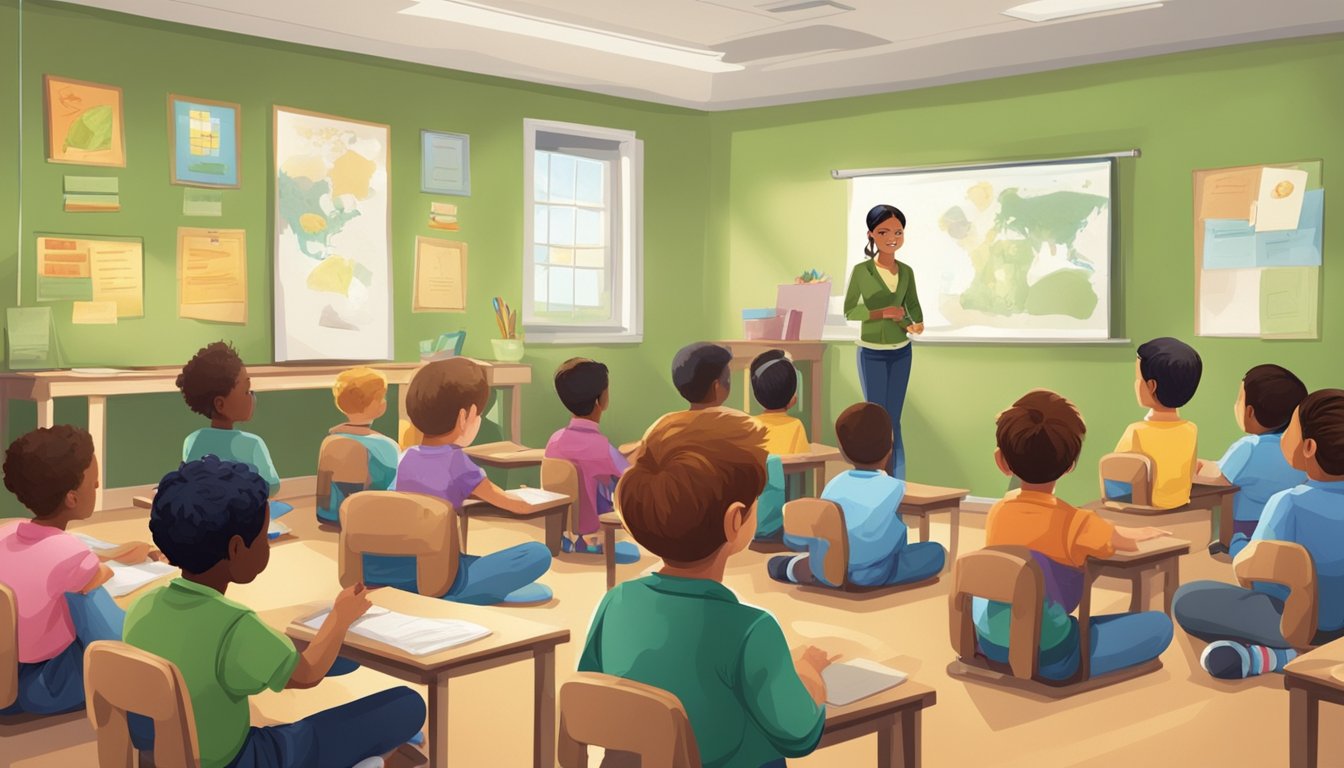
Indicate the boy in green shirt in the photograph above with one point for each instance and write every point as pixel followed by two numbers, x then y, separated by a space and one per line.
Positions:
pixel 209 518
pixel 689 498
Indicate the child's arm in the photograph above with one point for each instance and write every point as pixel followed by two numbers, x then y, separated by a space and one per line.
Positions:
pixel 261 459
pixel 100 577
pixel 808 662
pixel 783 692
pixel 496 497
pixel 1226 470
pixel 1209 473
pixel 1127 539
pixel 129 553
pixel 317 658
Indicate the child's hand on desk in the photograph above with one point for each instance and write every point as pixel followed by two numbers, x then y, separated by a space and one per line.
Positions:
pixel 1141 534
pixel 809 661
pixel 132 553
pixel 351 603
pixel 814 658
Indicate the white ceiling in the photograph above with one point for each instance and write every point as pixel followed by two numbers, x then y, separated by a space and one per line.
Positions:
pixel 814 53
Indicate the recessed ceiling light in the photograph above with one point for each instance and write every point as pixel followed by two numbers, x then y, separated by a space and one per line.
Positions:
pixel 1049 10
pixel 485 17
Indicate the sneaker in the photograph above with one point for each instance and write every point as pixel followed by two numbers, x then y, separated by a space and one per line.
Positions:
pixel 372 762
pixel 1226 660
pixel 778 568
pixel 1217 548
pixel 532 594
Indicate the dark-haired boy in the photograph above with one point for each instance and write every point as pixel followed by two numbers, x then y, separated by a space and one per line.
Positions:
pixel 879 553
pixel 689 498
pixel 210 518
pixel 216 385
pixel 1039 440
pixel 1243 625
pixel 774 381
pixel 1166 375
pixel 583 387
pixel 702 376
pixel 56 579
pixel 1266 399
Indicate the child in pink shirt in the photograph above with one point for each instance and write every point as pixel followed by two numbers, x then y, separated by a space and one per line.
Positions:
pixel 56 579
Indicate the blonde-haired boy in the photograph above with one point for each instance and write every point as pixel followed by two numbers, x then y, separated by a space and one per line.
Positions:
pixel 361 394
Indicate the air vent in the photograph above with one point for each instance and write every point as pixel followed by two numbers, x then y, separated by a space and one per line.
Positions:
pixel 794 6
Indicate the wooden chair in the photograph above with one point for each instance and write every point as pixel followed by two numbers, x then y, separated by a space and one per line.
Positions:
pixel 1133 469
pixel 824 520
pixel 561 476
pixel 1006 575
pixel 342 465
pixel 9 647
pixel 1290 565
pixel 404 524
pixel 118 679
pixel 623 716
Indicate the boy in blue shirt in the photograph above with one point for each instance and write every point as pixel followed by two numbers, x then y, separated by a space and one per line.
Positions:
pixel 1242 625
pixel 879 554
pixel 1265 403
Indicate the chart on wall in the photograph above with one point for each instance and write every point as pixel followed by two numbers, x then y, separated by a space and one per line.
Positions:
pixel 332 264
pixel 1000 252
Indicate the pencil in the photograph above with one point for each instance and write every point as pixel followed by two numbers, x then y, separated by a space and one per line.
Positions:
pixel 499 319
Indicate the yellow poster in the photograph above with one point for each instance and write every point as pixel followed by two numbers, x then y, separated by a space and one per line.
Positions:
pixel 94 313
pixel 212 274
pixel 440 276
pixel 118 271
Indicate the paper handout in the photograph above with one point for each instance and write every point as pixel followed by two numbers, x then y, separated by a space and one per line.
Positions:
pixel 416 635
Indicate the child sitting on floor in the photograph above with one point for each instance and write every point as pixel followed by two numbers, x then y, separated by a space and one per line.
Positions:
pixel 774 381
pixel 361 394
pixel 1166 375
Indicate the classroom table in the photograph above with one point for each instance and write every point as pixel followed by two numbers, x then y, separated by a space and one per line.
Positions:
pixel 1218 499
pixel 924 500
pixel 511 639
pixel 895 715
pixel 810 352
pixel 1310 679
pixel 611 523
pixel 1155 556
pixel 552 514
pixel 43 387
pixel 506 454
pixel 813 463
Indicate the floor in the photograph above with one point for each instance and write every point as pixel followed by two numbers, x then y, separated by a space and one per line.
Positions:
pixel 1177 716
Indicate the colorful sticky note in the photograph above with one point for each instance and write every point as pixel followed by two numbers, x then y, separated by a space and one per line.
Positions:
pixel 94 313
pixel 29 331
pixel 1288 302
pixel 202 202
pixel 92 185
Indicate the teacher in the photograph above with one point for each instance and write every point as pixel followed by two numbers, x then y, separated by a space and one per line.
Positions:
pixel 882 294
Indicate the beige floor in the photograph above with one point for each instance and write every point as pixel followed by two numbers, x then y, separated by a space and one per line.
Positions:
pixel 1174 717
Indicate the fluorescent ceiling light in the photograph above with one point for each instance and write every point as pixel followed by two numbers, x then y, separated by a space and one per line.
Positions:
pixel 1049 10
pixel 484 17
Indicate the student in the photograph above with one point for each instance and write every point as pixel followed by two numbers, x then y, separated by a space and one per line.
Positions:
pixel 583 387
pixel 209 517
pixel 1266 399
pixel 1242 625
pixel 216 385
pixel 1039 439
pixel 1166 375
pixel 361 394
pixel 774 381
pixel 689 499
pixel 444 402
pixel 702 376
pixel 56 579
pixel 879 554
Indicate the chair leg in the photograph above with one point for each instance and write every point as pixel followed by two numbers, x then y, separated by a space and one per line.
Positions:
pixel 463 518
pixel 146 758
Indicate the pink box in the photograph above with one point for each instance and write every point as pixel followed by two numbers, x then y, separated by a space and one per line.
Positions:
pixel 810 299
pixel 770 328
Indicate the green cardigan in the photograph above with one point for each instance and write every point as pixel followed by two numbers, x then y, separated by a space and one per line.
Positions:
pixel 868 292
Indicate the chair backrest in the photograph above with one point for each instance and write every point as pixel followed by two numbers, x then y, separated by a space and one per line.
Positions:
pixel 404 524
pixel 119 678
pixel 340 460
pixel 1134 470
pixel 1288 564
pixel 824 520
pixel 1006 575
pixel 9 647
pixel 626 716
pixel 561 476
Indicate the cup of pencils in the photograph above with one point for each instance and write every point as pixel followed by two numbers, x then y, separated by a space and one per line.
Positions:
pixel 508 348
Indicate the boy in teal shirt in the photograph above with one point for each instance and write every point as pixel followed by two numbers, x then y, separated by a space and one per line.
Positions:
pixel 361 395
pixel 750 703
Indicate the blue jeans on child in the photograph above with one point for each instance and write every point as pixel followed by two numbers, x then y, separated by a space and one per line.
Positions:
pixel 1242 531
pixel 884 375
pixel 1213 610
pixel 915 562
pixel 481 580
pixel 57 684
pixel 1117 642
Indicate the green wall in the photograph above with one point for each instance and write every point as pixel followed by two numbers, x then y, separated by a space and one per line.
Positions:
pixel 149 59
pixel 1233 106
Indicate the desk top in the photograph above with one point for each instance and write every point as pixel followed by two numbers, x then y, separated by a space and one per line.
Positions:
pixel 906 695
pixel 506 454
pixel 1318 668
pixel 745 351
pixel 818 453
pixel 920 494
pixel 508 633
pixel 1149 551
pixel 477 508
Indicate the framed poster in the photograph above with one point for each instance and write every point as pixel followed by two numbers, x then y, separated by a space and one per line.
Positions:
pixel 85 124
pixel 445 163
pixel 205 142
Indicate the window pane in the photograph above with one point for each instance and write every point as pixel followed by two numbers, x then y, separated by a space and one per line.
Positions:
pixel 590 185
pixel 588 287
pixel 562 256
pixel 541 228
pixel 541 176
pixel 561 288
pixel 562 178
pixel 541 254
pixel 588 229
pixel 539 288
pixel 591 257
pixel 562 225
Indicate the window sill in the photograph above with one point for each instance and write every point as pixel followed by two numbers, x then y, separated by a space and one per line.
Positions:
pixel 577 336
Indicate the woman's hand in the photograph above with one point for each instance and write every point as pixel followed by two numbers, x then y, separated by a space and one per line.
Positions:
pixel 915 328
pixel 894 313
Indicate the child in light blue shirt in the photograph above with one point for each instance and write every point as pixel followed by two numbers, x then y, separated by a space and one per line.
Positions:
pixel 879 553
pixel 1265 403
pixel 215 384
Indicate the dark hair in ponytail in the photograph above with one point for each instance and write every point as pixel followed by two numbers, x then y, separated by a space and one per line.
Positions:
pixel 877 215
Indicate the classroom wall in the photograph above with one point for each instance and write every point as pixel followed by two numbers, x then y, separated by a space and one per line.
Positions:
pixel 1263 103
pixel 149 59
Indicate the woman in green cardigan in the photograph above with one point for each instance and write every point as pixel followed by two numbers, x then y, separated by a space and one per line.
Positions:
pixel 882 294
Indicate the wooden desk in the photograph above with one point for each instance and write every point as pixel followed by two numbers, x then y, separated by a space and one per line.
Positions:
pixel 1218 499
pixel 511 639
pixel 923 500
pixel 506 455
pixel 813 462
pixel 124 527
pixel 1310 679
pixel 552 514
pixel 894 715
pixel 43 387
pixel 810 352
pixel 1161 555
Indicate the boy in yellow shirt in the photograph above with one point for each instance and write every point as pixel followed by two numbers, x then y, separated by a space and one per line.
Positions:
pixel 1166 375
pixel 774 381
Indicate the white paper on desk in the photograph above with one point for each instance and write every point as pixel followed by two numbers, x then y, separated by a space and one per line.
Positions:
pixel 850 681
pixel 536 496
pixel 1278 206
pixel 93 543
pixel 415 635
pixel 128 578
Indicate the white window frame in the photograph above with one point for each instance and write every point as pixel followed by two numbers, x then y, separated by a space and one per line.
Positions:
pixel 627 324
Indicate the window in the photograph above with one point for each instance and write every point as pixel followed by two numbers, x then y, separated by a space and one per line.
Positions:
pixel 583 252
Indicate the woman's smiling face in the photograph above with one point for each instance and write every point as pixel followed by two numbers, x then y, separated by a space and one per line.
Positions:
pixel 889 236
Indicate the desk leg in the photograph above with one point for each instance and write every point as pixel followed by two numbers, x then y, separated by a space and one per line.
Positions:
pixel 898 743
pixel 1303 728
pixel 516 414
pixel 463 519
pixel 1225 523
pixel 609 554
pixel 402 391
pixel 746 391
pixel 46 413
pixel 1085 625
pixel 956 536
pixel 1141 596
pixel 814 401
pixel 543 745
pixel 98 431
pixel 438 722
pixel 1172 569
pixel 924 526
pixel 555 530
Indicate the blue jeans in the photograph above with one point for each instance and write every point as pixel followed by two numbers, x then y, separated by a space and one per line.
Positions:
pixel 338 737
pixel 483 580
pixel 57 684
pixel 915 562
pixel 884 375
pixel 1117 642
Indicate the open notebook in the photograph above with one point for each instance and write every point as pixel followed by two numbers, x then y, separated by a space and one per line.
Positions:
pixel 415 635
pixel 127 578
pixel 535 496
pixel 849 681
